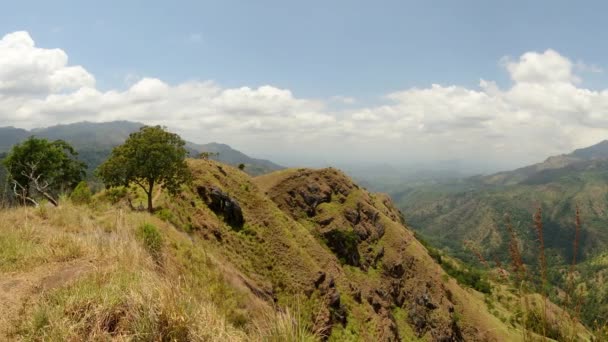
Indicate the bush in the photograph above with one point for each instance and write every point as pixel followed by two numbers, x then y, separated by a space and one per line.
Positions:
pixel 152 240
pixel 81 194
pixel 114 195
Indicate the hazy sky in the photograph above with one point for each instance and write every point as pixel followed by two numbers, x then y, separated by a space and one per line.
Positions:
pixel 483 82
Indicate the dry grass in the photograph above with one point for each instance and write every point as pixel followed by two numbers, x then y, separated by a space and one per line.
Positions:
pixel 127 296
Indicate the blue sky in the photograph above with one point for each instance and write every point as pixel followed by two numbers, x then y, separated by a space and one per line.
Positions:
pixel 319 81
pixel 315 48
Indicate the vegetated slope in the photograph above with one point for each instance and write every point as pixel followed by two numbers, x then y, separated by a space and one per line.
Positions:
pixel 300 254
pixel 356 271
pixel 228 155
pixel 473 210
pixel 94 142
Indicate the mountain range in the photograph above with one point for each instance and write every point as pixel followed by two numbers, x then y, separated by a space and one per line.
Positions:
pixel 94 142
pixel 461 213
pixel 293 255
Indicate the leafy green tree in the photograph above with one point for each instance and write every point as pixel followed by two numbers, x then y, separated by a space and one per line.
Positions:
pixel 41 167
pixel 241 166
pixel 148 157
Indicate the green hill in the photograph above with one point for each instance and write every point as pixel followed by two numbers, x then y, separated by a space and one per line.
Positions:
pixel 473 209
pixel 94 141
pixel 296 255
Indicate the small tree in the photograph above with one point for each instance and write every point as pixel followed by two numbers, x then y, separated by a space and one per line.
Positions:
pixel 241 166
pixel 81 194
pixel 38 166
pixel 208 155
pixel 149 157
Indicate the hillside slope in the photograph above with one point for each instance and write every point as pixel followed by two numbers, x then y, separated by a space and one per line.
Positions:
pixel 473 210
pixel 291 256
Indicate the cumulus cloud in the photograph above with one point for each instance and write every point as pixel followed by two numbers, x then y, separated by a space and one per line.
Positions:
pixel 26 69
pixel 544 111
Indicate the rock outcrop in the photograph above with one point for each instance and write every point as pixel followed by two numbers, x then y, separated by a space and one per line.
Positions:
pixel 222 204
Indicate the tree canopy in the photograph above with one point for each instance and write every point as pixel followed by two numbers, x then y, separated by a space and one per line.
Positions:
pixel 148 157
pixel 41 167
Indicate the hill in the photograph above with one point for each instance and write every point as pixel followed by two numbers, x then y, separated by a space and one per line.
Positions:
pixel 94 142
pixel 296 255
pixel 473 209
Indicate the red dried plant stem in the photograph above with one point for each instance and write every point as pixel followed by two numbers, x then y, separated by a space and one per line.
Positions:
pixel 475 251
pixel 538 224
pixel 577 231
pixel 516 259
pixel 500 268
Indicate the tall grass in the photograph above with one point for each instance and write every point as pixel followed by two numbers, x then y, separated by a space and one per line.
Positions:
pixel 124 292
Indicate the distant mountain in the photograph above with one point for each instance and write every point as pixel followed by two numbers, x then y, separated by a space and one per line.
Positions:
pixel 450 213
pixel 10 135
pixel 228 155
pixel 90 135
pixel 581 157
pixel 94 142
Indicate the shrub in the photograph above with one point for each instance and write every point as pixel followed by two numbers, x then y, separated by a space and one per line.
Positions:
pixel 152 240
pixel 114 195
pixel 81 194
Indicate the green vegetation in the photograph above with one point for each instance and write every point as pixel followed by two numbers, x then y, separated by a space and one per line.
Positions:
pixel 448 215
pixel 148 158
pixel 81 194
pixel 39 168
pixel 106 272
pixel 152 240
pixel 465 275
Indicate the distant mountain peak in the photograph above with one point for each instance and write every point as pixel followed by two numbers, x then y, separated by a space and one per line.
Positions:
pixel 599 150
pixel 94 141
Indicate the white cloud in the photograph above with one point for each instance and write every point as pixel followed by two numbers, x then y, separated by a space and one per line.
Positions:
pixel 26 69
pixel 544 111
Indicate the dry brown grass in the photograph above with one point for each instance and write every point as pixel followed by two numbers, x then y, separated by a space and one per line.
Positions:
pixel 126 295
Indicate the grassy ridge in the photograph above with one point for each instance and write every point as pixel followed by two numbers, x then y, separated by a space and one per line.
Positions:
pixel 103 271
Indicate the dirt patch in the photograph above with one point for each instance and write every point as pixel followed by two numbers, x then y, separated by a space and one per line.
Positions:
pixel 17 288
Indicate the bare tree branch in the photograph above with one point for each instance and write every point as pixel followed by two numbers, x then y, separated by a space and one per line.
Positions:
pixel 35 180
pixel 23 194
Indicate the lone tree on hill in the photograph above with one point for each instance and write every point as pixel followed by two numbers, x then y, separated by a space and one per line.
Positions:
pixel 43 167
pixel 149 157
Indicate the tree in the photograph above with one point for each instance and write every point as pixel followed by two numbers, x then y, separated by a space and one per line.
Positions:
pixel 38 166
pixel 148 157
pixel 241 166
pixel 208 155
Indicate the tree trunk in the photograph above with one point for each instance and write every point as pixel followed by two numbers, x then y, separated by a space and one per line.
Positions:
pixel 150 193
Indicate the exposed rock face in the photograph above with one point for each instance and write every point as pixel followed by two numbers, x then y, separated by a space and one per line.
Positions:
pixel 334 312
pixel 353 223
pixel 222 204
pixel 344 213
pixel 344 245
